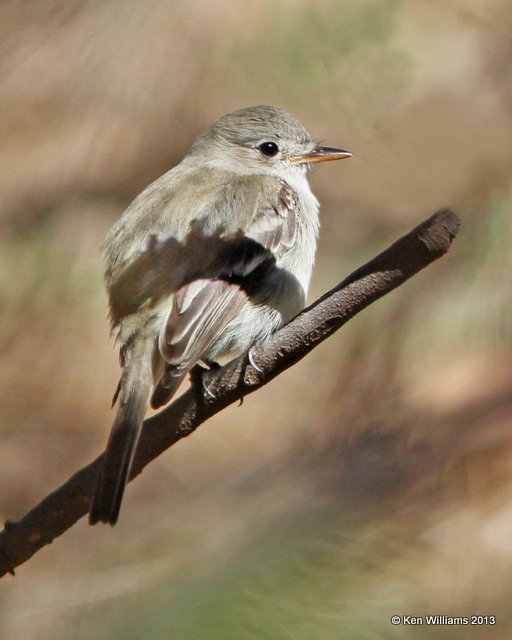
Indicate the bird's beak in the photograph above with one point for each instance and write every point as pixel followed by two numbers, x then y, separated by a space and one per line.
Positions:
pixel 321 154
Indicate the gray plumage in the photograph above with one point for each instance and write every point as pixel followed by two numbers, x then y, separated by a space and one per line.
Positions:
pixel 209 259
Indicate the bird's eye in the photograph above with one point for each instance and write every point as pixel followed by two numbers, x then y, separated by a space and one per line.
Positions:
pixel 268 149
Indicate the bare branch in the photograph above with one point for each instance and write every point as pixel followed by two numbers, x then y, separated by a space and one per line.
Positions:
pixel 67 504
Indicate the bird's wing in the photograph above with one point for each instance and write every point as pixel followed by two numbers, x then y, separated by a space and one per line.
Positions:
pixel 201 309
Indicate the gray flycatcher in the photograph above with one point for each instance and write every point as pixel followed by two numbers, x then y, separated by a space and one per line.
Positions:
pixel 208 260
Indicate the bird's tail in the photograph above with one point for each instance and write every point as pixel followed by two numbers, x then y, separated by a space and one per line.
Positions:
pixel 167 386
pixel 134 393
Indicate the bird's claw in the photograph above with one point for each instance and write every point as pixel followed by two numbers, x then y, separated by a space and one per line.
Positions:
pixel 252 362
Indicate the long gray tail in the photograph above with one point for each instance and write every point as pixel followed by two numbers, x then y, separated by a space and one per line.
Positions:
pixel 135 389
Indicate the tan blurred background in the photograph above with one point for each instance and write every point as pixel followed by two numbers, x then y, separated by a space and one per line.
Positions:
pixel 372 479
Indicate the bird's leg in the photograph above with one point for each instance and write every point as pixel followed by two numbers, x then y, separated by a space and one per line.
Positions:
pixel 212 364
pixel 197 374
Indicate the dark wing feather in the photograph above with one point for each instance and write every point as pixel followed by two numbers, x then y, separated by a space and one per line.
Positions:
pixel 199 312
pixel 275 227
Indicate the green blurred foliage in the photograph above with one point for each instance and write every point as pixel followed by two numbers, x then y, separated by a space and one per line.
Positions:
pixel 312 40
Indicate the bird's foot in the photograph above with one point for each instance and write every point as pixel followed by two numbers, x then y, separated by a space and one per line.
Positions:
pixel 197 376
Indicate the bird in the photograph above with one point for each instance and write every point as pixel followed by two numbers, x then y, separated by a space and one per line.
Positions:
pixel 210 259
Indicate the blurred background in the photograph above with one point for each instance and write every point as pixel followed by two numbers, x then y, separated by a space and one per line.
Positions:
pixel 372 479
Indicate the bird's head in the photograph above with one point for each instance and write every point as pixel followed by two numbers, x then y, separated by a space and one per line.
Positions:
pixel 261 140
